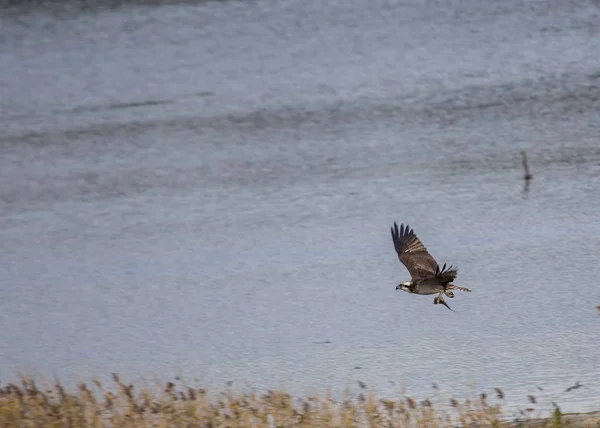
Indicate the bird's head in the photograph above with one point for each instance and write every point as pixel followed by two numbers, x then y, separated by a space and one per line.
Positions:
pixel 404 286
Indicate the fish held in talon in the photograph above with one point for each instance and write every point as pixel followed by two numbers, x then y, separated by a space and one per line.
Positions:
pixel 439 300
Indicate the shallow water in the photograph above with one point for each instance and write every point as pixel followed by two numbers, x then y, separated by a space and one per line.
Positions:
pixel 206 190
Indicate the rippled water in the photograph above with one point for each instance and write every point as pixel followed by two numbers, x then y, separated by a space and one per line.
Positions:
pixel 206 189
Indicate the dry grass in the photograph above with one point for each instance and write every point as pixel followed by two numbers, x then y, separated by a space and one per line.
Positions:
pixel 28 405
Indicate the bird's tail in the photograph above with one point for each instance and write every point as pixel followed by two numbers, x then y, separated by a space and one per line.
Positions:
pixel 456 287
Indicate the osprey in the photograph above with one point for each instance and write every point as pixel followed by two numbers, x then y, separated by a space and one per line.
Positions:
pixel 426 275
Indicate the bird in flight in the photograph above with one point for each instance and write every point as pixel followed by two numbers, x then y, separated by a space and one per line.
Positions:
pixel 426 275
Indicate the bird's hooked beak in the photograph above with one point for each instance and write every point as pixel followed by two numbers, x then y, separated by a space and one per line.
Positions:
pixel 403 287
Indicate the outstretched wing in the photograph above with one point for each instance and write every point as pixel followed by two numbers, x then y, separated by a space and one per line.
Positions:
pixel 412 253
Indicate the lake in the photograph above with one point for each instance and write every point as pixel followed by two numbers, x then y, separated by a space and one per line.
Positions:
pixel 205 189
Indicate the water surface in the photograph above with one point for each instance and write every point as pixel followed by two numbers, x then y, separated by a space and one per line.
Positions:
pixel 206 190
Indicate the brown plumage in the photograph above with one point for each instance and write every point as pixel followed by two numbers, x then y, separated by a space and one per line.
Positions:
pixel 412 253
pixel 426 275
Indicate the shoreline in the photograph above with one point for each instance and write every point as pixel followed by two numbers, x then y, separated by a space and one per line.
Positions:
pixel 35 403
pixel 585 419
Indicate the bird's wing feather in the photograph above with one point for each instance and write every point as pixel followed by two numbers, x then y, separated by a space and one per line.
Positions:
pixel 446 274
pixel 412 253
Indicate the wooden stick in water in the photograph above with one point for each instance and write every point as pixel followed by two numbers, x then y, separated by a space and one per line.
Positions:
pixel 527 175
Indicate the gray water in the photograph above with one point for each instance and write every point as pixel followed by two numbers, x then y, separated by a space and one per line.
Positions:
pixel 206 190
